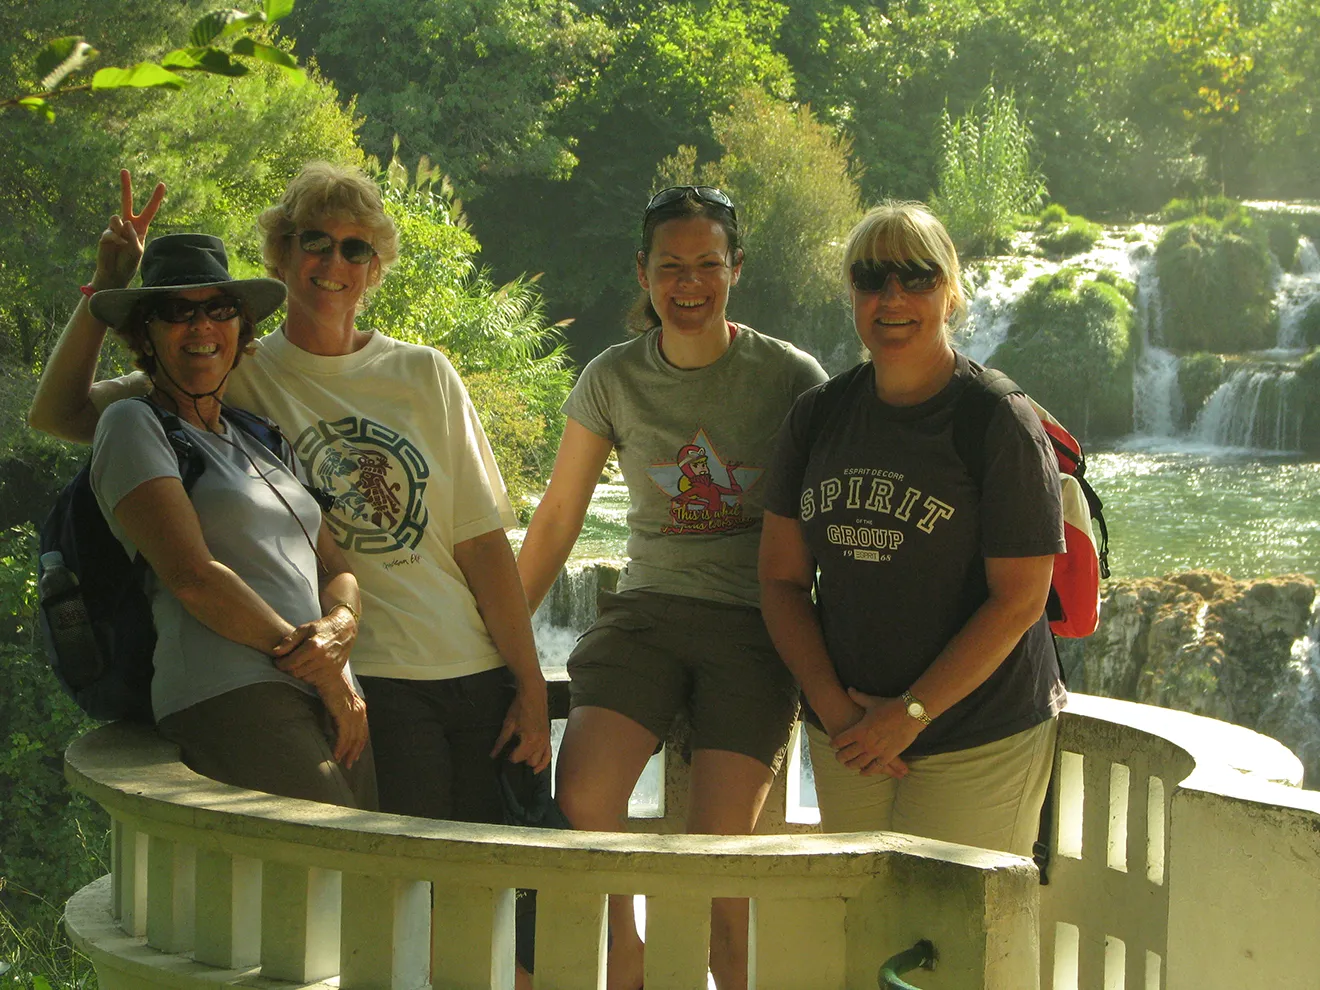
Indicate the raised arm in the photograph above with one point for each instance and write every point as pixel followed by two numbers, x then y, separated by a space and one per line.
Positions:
pixel 67 402
pixel 558 518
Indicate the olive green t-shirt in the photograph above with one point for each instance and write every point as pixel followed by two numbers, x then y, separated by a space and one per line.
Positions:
pixel 694 446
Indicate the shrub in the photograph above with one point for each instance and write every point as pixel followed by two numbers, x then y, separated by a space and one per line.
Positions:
pixel 1216 283
pixel 1060 234
pixel 1215 207
pixel 1070 347
pixel 1282 236
pixel 986 177
pixel 1198 377
pixel 1309 325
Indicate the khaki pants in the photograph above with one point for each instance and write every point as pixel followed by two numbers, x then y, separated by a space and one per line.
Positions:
pixel 988 796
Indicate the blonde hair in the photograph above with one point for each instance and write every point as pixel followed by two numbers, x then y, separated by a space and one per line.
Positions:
pixel 906 231
pixel 324 190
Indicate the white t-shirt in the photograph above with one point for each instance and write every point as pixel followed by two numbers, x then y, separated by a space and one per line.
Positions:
pixel 390 433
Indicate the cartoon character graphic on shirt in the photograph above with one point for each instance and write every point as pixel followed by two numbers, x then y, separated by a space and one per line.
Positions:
pixel 698 501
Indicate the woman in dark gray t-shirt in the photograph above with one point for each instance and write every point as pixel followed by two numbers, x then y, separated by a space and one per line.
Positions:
pixel 926 661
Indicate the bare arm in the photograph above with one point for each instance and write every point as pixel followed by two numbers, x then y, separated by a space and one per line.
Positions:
pixel 322 647
pixel 1019 588
pixel 491 572
pixel 558 519
pixel 67 402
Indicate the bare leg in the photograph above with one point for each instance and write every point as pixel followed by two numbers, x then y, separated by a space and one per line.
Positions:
pixel 727 792
pixel 600 759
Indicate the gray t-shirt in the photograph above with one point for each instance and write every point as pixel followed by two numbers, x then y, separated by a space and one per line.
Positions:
pixel 246 528
pixel 694 446
pixel 900 532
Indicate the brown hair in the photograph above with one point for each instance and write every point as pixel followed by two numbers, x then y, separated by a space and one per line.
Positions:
pixel 324 190
pixel 905 230
pixel 641 314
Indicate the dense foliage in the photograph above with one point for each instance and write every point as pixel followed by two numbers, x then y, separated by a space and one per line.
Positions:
pixel 1070 346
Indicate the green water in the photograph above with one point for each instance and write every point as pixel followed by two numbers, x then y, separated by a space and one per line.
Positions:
pixel 1167 511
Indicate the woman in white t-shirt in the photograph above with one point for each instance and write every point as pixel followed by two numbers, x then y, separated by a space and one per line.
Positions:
pixel 691 403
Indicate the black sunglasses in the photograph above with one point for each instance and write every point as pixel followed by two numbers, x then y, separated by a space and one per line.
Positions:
pixel 707 194
pixel 354 250
pixel 872 276
pixel 176 309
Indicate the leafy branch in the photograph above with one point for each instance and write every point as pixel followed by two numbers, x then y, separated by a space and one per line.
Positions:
pixel 216 44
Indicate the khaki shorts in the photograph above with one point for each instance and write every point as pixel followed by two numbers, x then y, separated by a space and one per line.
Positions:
pixel 650 656
pixel 988 796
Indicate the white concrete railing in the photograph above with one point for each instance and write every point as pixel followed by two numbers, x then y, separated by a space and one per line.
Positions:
pixel 214 885
pixel 1181 859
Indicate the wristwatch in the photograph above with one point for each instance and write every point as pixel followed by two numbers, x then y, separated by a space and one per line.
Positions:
pixel 915 708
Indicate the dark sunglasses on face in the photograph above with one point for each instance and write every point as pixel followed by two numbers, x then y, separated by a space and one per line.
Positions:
pixel 176 309
pixel 872 276
pixel 707 194
pixel 354 250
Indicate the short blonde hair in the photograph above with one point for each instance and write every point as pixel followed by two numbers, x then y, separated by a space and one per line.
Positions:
pixel 905 230
pixel 324 190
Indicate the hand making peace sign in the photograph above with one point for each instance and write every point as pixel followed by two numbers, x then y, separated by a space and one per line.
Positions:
pixel 120 248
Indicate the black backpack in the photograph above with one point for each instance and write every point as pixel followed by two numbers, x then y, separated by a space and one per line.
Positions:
pixel 99 635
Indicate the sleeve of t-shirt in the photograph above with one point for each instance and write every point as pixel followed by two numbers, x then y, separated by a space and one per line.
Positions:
pixel 1021 515
pixel 588 402
pixel 129 449
pixel 481 504
pixel 807 373
pixel 792 451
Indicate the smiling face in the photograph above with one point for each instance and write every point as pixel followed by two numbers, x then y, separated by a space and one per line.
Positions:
pixel 194 357
pixel 324 288
pixel 901 328
pixel 688 274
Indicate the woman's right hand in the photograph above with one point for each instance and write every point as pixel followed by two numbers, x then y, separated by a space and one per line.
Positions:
pixel 120 249
pixel 349 711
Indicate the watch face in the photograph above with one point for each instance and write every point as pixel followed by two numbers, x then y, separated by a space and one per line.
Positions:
pixel 916 709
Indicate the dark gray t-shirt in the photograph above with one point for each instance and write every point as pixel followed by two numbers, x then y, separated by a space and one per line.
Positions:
pixel 900 532
pixel 694 446
pixel 246 528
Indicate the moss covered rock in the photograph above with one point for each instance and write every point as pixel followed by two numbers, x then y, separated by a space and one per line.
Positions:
pixel 1309 325
pixel 1198 377
pixel 1070 346
pixel 1060 234
pixel 1309 390
pixel 1215 284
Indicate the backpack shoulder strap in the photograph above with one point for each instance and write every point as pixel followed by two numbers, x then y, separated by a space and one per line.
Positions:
pixel 259 429
pixel 191 464
pixel 972 414
pixel 829 399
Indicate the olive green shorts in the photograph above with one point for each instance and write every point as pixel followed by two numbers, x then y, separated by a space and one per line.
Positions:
pixel 650 656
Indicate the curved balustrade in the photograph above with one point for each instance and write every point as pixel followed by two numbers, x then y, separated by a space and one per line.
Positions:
pixel 1181 859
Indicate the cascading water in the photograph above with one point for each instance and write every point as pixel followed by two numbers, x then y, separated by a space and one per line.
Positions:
pixel 1157 405
pixel 1293 714
pixel 1295 292
pixel 1256 408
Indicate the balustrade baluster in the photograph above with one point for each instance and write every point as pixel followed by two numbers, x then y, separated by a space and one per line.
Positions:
pixel 299 922
pixel 130 852
pixel 677 941
pixel 798 944
pixel 170 895
pixel 570 940
pixel 228 912
pixel 385 934
pixel 471 937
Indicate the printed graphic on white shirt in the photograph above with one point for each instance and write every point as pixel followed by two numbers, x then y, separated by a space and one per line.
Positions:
pixel 705 490
pixel 377 479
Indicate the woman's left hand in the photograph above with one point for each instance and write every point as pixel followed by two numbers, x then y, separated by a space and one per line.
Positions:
pixel 349 711
pixel 872 744
pixel 317 651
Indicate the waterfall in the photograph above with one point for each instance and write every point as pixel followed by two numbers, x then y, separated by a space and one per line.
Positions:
pixel 1293 714
pixel 992 304
pixel 1157 405
pixel 1255 408
pixel 1294 293
pixel 570 608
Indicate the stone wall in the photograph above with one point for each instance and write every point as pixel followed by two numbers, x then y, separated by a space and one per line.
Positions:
pixel 1201 642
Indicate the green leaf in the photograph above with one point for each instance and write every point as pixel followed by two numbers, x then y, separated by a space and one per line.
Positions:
pixel 275 9
pixel 37 105
pixel 141 76
pixel 223 23
pixel 183 58
pixel 39 982
pixel 254 49
pixel 62 57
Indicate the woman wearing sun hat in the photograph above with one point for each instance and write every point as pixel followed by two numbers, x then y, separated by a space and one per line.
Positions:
pixel 242 567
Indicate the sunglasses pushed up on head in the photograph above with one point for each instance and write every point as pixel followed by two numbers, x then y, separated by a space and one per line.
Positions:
pixel 706 194
pixel 873 276
pixel 354 250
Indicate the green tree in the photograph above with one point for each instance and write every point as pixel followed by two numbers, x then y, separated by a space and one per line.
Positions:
pixel 987 178
pixel 797 198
